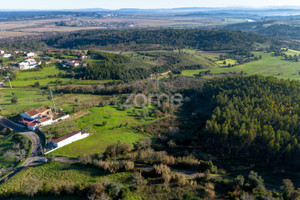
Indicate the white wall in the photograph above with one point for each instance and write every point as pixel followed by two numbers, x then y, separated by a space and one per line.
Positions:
pixel 74 138
pixel 47 122
pixel 24 115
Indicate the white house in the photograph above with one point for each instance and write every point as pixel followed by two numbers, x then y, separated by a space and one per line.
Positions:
pixel 39 113
pixel 7 55
pixel 2 52
pixel 66 139
pixel 32 126
pixel 28 64
pixel 31 54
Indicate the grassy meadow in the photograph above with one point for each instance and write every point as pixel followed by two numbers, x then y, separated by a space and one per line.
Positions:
pixel 58 174
pixel 29 98
pixel 269 65
pixel 6 143
pixel 118 128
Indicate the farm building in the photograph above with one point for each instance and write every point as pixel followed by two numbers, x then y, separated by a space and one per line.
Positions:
pixel 72 64
pixel 67 139
pixel 31 54
pixel 7 55
pixel 28 64
pixel 38 113
pixel 37 117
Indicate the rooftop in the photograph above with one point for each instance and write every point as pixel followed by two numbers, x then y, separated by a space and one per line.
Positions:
pixel 67 136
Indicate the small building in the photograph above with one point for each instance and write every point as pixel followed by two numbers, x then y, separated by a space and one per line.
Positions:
pixel 32 126
pixel 39 113
pixel 2 52
pixel 45 121
pixel 28 64
pixel 7 55
pixel 72 63
pixel 67 139
pixel 31 54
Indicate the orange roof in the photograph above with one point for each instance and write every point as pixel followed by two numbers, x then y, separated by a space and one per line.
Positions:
pixel 42 109
pixel 32 112
pixel 45 119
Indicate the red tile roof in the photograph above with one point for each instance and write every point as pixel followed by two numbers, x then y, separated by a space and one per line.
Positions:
pixel 66 136
pixel 33 124
pixel 45 119
pixel 32 112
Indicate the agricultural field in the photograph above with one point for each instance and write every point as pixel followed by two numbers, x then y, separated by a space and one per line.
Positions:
pixel 185 57
pixel 117 129
pixel 269 65
pixel 29 98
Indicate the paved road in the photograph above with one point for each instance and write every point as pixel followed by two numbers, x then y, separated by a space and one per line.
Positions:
pixel 36 146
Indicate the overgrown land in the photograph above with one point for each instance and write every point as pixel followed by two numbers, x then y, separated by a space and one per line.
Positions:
pixel 236 135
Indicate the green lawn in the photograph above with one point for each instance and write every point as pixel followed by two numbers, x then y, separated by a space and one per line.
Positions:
pixel 102 135
pixel 269 65
pixel 58 174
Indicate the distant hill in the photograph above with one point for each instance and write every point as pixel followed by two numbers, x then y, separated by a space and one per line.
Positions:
pixel 175 38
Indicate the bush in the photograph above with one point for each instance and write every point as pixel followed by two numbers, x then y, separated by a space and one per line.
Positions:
pixel 209 191
pixel 96 191
pixel 116 166
pixel 117 149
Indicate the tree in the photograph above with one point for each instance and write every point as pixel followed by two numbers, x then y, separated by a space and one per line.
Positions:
pixel 14 100
pixel 287 189
pixel 43 64
pixel 104 123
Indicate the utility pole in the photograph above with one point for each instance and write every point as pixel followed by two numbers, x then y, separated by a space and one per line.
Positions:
pixel 51 95
pixel 9 82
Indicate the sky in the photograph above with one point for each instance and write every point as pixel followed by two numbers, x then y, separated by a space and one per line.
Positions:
pixel 117 4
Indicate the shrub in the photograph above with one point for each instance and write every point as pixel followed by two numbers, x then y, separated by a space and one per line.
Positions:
pixel 118 149
pixel 96 191
pixel 138 180
pixel 116 166
pixel 180 179
pixel 209 191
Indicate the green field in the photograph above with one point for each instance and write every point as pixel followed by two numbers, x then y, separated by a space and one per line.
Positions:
pixel 6 146
pixel 43 73
pixel 269 65
pixel 102 135
pixel 57 174
pixel 29 98
pixel 228 61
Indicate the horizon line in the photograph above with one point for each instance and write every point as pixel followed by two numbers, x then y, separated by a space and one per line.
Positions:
pixel 292 7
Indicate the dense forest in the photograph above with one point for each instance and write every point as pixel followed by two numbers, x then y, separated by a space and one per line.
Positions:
pixel 249 117
pixel 268 28
pixel 195 38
